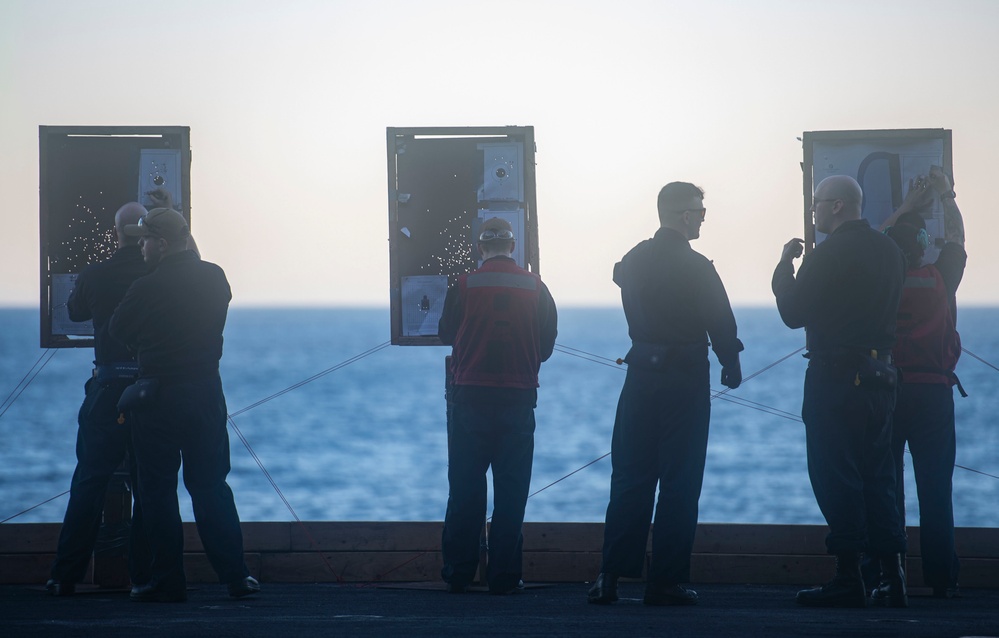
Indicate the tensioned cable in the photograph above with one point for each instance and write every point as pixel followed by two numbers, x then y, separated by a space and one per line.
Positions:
pixel 588 356
pixel 721 395
pixel 975 356
pixel 298 385
pixel 267 473
pixel 564 349
pixel 24 386
pixel 10 518
pixel 717 395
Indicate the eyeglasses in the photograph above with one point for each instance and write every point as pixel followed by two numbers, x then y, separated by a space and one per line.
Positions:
pixel 144 223
pixel 816 202
pixel 490 235
pixel 700 211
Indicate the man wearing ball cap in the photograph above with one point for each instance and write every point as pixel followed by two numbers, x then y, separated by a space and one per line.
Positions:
pixel 501 321
pixel 173 319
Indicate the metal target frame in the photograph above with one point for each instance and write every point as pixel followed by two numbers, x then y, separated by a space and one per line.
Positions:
pixel 85 174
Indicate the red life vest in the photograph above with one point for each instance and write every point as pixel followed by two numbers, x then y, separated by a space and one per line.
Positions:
pixel 498 341
pixel 927 344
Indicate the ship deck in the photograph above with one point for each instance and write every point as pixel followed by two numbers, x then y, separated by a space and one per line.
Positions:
pixel 423 609
pixel 382 579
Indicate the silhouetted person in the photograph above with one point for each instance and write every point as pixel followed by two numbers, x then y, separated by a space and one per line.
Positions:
pixel 501 321
pixel 102 442
pixel 846 297
pixel 173 319
pixel 927 352
pixel 674 302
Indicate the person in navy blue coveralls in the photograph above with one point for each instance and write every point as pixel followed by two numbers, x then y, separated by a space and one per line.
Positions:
pixel 846 296
pixel 102 441
pixel 173 319
pixel 674 301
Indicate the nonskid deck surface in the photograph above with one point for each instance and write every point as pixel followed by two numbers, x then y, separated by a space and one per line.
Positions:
pixel 425 609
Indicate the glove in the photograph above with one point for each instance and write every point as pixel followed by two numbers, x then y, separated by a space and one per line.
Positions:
pixel 731 375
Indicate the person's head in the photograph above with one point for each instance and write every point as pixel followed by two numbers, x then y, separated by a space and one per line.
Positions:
pixel 912 218
pixel 911 240
pixel 496 238
pixel 161 232
pixel 128 214
pixel 837 199
pixel 681 207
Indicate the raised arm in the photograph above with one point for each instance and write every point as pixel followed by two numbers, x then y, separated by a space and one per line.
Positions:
pixel 919 196
pixel 953 221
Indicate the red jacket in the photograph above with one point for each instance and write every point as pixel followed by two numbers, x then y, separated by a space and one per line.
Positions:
pixel 503 321
pixel 928 345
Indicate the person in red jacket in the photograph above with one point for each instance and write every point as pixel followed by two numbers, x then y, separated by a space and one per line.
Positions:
pixel 927 351
pixel 501 321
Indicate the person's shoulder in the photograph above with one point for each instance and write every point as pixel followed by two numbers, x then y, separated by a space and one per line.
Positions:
pixel 700 258
pixel 95 270
pixel 209 265
pixel 640 248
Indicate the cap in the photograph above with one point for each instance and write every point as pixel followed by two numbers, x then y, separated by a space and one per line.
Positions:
pixel 160 222
pixel 495 229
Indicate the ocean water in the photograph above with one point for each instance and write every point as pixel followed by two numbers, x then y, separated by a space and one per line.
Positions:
pixel 366 440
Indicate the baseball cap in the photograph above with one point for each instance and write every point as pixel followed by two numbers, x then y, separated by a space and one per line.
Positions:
pixel 160 222
pixel 495 229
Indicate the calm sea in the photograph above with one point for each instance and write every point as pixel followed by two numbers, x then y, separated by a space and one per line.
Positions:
pixel 366 441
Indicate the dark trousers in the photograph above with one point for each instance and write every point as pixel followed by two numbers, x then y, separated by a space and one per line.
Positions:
pixel 480 436
pixel 924 418
pixel 847 438
pixel 102 445
pixel 187 421
pixel 660 437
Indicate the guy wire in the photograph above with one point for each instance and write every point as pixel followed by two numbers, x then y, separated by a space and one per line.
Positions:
pixel 8 401
pixel 561 348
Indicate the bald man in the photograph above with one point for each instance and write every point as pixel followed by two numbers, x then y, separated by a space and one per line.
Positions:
pixel 846 296
pixel 101 441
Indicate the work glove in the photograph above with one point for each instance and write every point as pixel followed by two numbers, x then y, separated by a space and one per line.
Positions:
pixel 731 375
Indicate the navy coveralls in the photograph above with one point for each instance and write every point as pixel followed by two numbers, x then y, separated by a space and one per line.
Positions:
pixel 673 300
pixel 101 442
pixel 173 318
pixel 846 297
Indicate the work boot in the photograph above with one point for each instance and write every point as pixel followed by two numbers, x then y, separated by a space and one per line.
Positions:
pixel 846 589
pixel 604 590
pixel 891 591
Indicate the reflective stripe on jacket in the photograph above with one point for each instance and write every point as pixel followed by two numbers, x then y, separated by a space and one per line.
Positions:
pixel 498 341
pixel 928 345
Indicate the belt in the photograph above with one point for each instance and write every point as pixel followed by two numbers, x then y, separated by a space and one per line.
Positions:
pixel 117 370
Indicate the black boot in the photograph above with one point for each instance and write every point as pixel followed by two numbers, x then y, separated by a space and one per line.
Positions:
pixel 891 592
pixel 846 589
pixel 604 590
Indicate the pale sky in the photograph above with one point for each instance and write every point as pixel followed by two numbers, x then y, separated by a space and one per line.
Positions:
pixel 288 104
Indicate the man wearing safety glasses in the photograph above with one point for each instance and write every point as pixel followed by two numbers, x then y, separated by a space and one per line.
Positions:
pixel 674 302
pixel 846 296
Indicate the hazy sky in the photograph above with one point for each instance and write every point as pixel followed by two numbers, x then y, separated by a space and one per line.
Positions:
pixel 288 104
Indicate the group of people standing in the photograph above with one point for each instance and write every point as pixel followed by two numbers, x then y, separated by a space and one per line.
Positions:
pixel 154 398
pixel 881 345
